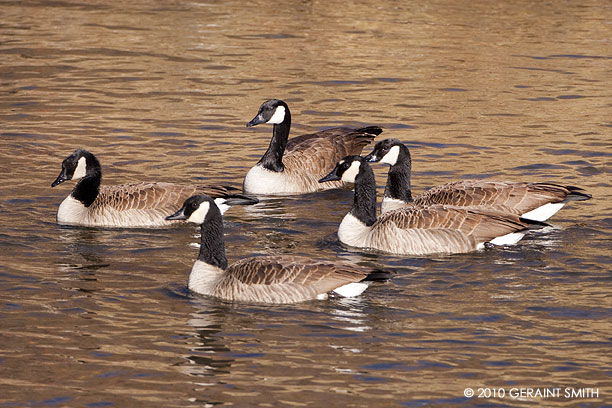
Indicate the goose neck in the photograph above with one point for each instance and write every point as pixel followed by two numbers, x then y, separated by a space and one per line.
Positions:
pixel 364 204
pixel 398 181
pixel 212 248
pixel 273 158
pixel 88 188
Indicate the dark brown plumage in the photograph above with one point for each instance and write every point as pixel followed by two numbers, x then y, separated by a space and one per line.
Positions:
pixel 515 197
pixel 310 157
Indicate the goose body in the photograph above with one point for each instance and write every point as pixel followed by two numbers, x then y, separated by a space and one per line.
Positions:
pixel 126 205
pixel 269 279
pixel 418 230
pixel 294 166
pixel 534 201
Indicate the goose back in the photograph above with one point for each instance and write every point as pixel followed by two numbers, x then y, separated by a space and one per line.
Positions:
pixel 512 197
pixel 279 279
pixel 310 157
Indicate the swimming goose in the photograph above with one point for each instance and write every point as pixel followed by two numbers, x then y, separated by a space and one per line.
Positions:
pixel 126 205
pixel 535 201
pixel 294 166
pixel 418 230
pixel 268 279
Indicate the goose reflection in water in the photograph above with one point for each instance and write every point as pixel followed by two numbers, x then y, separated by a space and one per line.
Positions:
pixel 209 354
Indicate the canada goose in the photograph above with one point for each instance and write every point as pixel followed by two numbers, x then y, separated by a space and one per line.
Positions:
pixel 294 166
pixel 126 205
pixel 535 201
pixel 269 279
pixel 418 230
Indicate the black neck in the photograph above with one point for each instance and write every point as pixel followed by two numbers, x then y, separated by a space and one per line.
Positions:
pixel 87 189
pixel 212 248
pixel 398 181
pixel 364 204
pixel 273 158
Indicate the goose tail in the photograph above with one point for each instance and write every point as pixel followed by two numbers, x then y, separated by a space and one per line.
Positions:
pixel 533 224
pixel 371 130
pixel 378 275
pixel 576 194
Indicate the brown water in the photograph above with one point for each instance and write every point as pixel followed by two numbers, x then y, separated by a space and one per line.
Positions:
pixel 162 91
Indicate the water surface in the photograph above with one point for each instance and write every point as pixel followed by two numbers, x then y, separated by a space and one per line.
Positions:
pixel 162 91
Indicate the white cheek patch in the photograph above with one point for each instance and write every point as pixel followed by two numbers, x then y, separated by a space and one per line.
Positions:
pixel 81 169
pixel 198 216
pixel 278 117
pixel 391 157
pixel 351 173
pixel 221 204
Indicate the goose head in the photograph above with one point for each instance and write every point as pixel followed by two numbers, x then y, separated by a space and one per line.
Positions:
pixel 388 151
pixel 195 209
pixel 273 111
pixel 346 170
pixel 79 164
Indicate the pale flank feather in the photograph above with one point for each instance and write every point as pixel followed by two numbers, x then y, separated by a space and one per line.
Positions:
pixel 283 279
pixel 439 229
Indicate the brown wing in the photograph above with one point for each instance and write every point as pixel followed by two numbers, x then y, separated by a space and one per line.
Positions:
pixel 319 152
pixel 283 279
pixel 478 223
pixel 514 197
pixel 295 270
pixel 149 196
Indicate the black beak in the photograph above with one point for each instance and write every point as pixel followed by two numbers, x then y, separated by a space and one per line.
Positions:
pixel 330 177
pixel 60 179
pixel 239 199
pixel 256 120
pixel 179 215
pixel 371 158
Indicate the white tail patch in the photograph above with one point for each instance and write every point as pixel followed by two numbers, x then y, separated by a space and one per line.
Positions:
pixel 223 206
pixel 391 157
pixel 278 117
pixel 197 217
pixel 352 289
pixel 508 239
pixel 81 169
pixel 544 212
pixel 351 173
